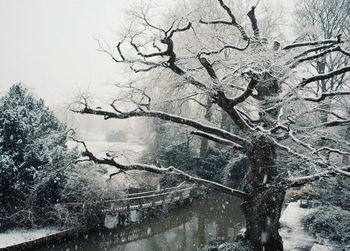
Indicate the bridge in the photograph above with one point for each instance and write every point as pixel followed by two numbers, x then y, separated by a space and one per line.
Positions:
pixel 145 203
pixel 142 204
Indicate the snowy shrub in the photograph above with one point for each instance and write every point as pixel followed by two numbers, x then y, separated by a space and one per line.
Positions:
pixel 335 192
pixel 229 246
pixel 87 188
pixel 33 156
pixel 181 156
pixel 332 223
pixel 211 166
pixel 184 157
pixel 306 192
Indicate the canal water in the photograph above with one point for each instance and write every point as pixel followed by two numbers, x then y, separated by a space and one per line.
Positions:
pixel 189 228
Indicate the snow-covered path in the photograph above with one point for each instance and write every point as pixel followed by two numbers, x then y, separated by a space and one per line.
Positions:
pixel 13 237
pixel 292 231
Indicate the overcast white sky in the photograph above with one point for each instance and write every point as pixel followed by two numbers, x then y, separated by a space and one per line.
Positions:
pixel 48 45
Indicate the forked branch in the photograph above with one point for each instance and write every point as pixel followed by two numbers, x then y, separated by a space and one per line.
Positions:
pixel 159 170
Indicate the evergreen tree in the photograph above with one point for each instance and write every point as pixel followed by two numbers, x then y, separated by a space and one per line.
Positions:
pixel 33 155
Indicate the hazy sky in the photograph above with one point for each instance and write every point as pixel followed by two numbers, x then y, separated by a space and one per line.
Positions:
pixel 49 45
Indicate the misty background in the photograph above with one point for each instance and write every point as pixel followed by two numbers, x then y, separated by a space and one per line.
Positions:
pixel 50 47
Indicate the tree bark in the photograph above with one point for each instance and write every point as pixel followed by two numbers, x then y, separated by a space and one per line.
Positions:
pixel 204 142
pixel 263 208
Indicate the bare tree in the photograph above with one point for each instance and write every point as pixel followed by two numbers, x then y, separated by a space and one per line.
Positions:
pixel 327 19
pixel 262 86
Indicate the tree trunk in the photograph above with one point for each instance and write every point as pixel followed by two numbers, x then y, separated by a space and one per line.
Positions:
pixel 263 208
pixel 208 115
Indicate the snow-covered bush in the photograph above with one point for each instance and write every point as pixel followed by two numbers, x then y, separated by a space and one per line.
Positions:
pixel 331 223
pixel 335 192
pixel 184 157
pixel 229 246
pixel 87 188
pixel 33 156
pixel 306 192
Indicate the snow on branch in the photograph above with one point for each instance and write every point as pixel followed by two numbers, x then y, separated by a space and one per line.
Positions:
pixel 169 117
pixel 254 22
pixel 296 154
pixel 217 139
pixel 233 21
pixel 311 43
pixel 300 181
pixel 318 48
pixel 120 58
pixel 324 76
pixel 318 55
pixel 225 47
pixel 246 94
pixel 323 96
pixel 331 123
pixel 159 170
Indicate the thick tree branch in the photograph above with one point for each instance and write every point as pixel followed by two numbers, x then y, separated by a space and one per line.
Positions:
pixel 318 55
pixel 311 43
pixel 233 21
pixel 246 94
pixel 324 76
pixel 326 95
pixel 218 140
pixel 169 117
pixel 224 48
pixel 300 181
pixel 254 22
pixel 160 170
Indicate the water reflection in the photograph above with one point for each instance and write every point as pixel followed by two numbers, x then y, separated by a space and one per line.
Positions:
pixel 185 229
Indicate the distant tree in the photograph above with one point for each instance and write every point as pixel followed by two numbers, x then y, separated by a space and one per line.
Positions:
pixel 262 86
pixel 33 156
pixel 116 136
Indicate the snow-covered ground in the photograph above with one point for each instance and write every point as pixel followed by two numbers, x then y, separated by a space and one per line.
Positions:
pixel 294 236
pixel 292 231
pixel 13 237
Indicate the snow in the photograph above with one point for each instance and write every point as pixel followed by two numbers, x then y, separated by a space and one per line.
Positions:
pixel 293 234
pixel 124 152
pixel 17 236
pixel 318 247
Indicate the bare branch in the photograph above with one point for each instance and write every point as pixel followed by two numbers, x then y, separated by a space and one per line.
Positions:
pixel 233 21
pixel 331 123
pixel 254 22
pixel 217 139
pixel 246 94
pixel 224 48
pixel 325 95
pixel 169 117
pixel 300 181
pixel 187 27
pixel 318 55
pixel 324 76
pixel 318 48
pixel 311 43
pixel 160 170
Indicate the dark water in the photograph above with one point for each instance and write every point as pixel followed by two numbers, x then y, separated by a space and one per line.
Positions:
pixel 185 229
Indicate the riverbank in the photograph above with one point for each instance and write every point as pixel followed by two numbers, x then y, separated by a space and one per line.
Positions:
pixel 187 228
pixel 17 236
pixel 32 239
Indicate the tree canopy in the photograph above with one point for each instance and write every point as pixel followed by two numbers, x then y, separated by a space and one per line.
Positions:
pixel 264 85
